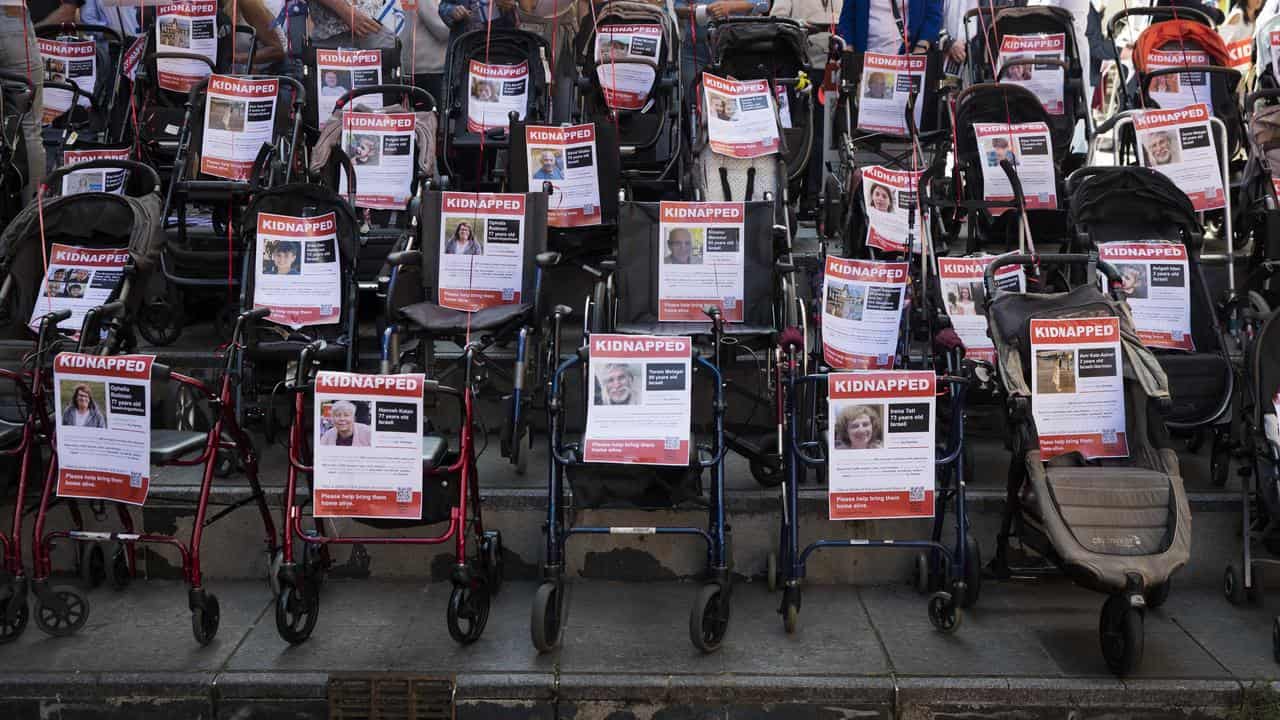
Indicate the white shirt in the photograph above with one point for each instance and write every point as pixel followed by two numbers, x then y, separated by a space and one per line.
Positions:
pixel 883 35
pixel 81 418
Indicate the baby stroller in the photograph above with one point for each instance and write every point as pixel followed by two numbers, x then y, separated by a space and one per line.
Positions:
pixel 1117 526
pixel 491 76
pixel 103 116
pixel 1260 193
pixel 629 55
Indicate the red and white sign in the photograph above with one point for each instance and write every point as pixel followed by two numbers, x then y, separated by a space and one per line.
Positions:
pixel 741 120
pixel 962 297
pixel 368 445
pixel 110 180
pixel 496 91
pixel 566 157
pixel 1077 387
pixel 1155 281
pixel 1045 80
pixel 78 279
pixel 297 274
pixel 1177 90
pixel 890 197
pixel 239 118
pixel 627 63
pixel 862 306
pixel 133 58
pixel 1241 54
pixel 640 406
pixel 103 426
pixel 481 251
pixel 1028 147
pixel 887 82
pixel 1180 144
pixel 381 149
pixel 340 71
pixel 702 262
pixel 881 445
pixel 72 62
pixel 188 27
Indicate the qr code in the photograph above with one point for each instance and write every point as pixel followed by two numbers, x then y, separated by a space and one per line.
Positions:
pixel 916 493
pixel 589 208
pixel 730 303
pixel 882 359
pixel 508 295
pixel 1044 197
pixel 1109 437
pixel 1177 335
pixel 404 495
pixel 135 480
pixel 326 309
pixel 671 443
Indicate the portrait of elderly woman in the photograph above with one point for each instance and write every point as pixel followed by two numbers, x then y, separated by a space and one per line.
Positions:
pixel 860 427
pixel 346 432
pixel 82 410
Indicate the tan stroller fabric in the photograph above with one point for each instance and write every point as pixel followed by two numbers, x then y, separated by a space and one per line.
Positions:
pixel 424 137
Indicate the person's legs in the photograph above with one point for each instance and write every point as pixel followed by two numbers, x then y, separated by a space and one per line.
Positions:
pixel 19 53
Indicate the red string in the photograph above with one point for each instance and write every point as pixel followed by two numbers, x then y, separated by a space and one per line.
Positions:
pixel 44 251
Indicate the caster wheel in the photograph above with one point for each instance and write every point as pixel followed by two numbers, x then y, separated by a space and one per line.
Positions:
pixel 204 621
pixel 121 573
pixel 1233 584
pixel 944 613
pixel 1121 632
pixel 468 613
pixel 491 553
pixel 1160 593
pixel 710 618
pixel 791 609
pixel 972 572
pixel 297 610
pixel 1254 593
pixel 920 574
pixel 11 628
pixel 226 464
pixel 767 470
pixel 1275 639
pixel 771 572
pixel 545 623
pixel 65 615
pixel 315 562
pixel 93 566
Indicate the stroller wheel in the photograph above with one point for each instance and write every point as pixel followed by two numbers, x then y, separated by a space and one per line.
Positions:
pixel 93 566
pixel 771 572
pixel 296 611
pixel 11 628
pixel 491 554
pixel 545 623
pixel 1160 593
pixel 1121 633
pixel 920 576
pixel 121 573
pixel 766 468
pixel 61 611
pixel 790 609
pixel 944 613
pixel 1233 584
pixel 710 618
pixel 468 612
pixel 204 620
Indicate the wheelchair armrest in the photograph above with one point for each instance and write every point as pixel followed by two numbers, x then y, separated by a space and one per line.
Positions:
pixel 562 311
pixel 548 259
pixel 411 258
pixel 609 265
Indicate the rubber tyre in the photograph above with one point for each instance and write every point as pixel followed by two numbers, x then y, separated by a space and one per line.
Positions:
pixel 709 619
pixel 491 553
pixel 832 212
pixel 545 622
pixel 972 572
pixel 1120 630
pixel 468 613
pixel 1233 584
pixel 920 576
pixel 10 631
pixel 1275 639
pixel 771 572
pixel 66 622
pixel 944 613
pixel 204 621
pixel 1157 595
pixel 791 609
pixel 121 573
pixel 296 612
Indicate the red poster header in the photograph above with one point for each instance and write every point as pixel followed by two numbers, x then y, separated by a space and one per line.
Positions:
pixel 1033 43
pixel 1142 251
pixel 500 71
pixel 641 346
pixel 899 179
pixel 560 135
pixel 1148 119
pixel 68 49
pixel 270 224
pixel 880 385
pixel 511 204
pixel 1074 331
pixel 867 270
pixel 378 122
pixel 131 367
pixel 706 212
pixel 971 267
pixel 348 58
pixel 343 383
pixel 734 87
pixel 896 63
pixel 236 87
pixel 83 257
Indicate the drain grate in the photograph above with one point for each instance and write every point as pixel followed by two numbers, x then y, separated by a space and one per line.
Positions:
pixel 390 696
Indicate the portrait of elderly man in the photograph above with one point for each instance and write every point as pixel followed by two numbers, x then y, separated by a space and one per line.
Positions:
pixel 617 384
pixel 346 432
pixel 680 248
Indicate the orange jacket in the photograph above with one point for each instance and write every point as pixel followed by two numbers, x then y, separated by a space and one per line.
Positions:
pixel 1180 32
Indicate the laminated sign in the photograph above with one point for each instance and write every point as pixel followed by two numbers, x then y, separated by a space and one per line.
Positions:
pixel 133 58
pixel 297 275
pixel 890 197
pixel 627 63
pixel 741 120
pixel 880 448
pixel 701 262
pixel 78 279
pixel 73 62
pixel 963 297
pixel 481 250
pixel 104 426
pixel 641 401
pixel 189 28
pixel 368 445
pixel 566 157
pixel 1273 48
pixel 1177 90
pixel 1180 145
pixel 239 118
pixel 1154 281
pixel 109 180
pixel 1028 148
pixel 862 312
pixel 340 71
pixel 381 149
pixel 1044 80
pixel 887 82
pixel 496 91
pixel 1077 387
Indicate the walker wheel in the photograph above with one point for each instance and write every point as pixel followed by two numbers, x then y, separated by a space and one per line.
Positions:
pixel 944 613
pixel 1233 584
pixel 1121 632
pixel 93 565
pixel 771 572
pixel 710 618
pixel 121 573
pixel 468 612
pixel 204 620
pixel 546 619
pixel 491 556
pixel 67 614
pixel 972 572
pixel 790 609
pixel 10 630
pixel 297 610
pixel 920 575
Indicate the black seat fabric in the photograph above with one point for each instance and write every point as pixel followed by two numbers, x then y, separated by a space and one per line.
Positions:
pixel 169 445
pixel 433 318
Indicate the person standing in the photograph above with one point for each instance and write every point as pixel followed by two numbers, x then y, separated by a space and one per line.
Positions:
pixel 423 42
pixel 349 24
pixel 879 26
pixel 20 54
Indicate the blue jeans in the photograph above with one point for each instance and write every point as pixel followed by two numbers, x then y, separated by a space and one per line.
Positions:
pixel 18 48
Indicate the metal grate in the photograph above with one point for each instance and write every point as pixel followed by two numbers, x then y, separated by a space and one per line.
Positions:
pixel 390 696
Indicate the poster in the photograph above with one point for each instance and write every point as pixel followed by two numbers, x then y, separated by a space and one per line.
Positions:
pixel 862 312
pixel 368 445
pixel 381 149
pixel 239 118
pixel 481 250
pixel 1241 54
pixel 566 158
pixel 1077 387
pixel 880 448
pixel 297 274
pixel 496 92
pixel 1028 148
pixel 1180 144
pixel 741 121
pixel 641 400
pixel 886 84
pixel 627 58
pixel 964 299
pixel 188 27
pixel 1273 45
pixel 110 180
pixel 702 261
pixel 889 197
pixel 1155 281
pixel 133 58
pixel 1178 90
pixel 341 71
pixel 1046 81
pixel 103 418
pixel 78 279
pixel 72 62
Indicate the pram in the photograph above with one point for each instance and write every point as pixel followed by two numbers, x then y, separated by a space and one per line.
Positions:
pixel 103 121
pixel 1119 526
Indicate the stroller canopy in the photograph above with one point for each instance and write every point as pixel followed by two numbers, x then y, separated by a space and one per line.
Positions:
pixel 1135 197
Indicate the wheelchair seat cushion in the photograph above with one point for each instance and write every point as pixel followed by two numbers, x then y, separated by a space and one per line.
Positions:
pixel 433 318
pixel 169 445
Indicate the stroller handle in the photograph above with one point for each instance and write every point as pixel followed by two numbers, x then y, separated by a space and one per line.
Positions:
pixel 105 163
pixel 53 31
pixel 1159 14
pixel 989 275
pixel 417 92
